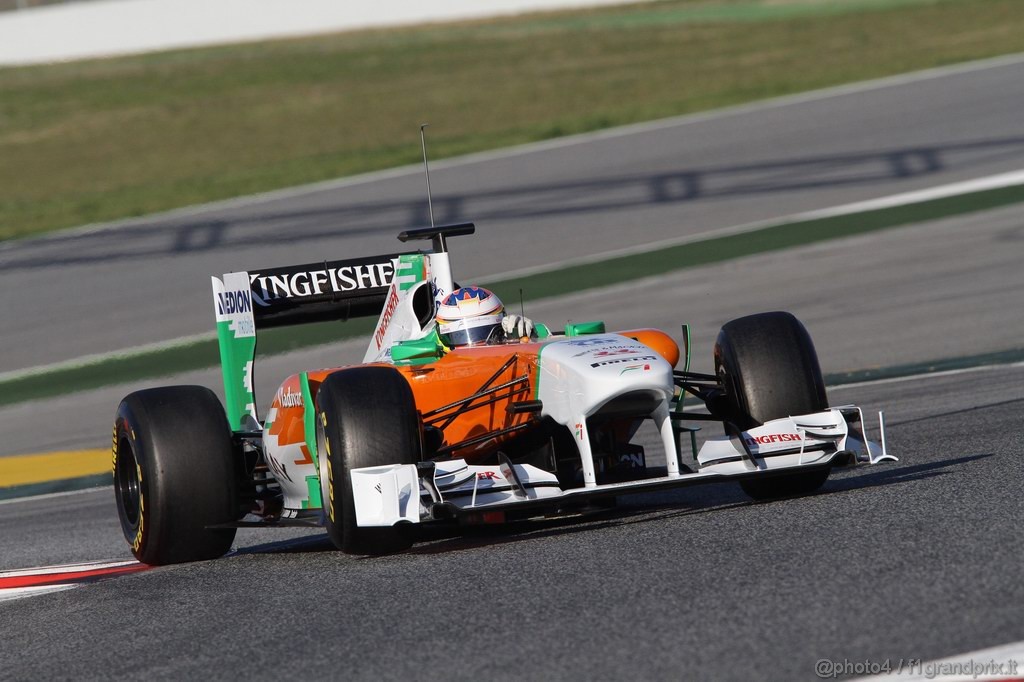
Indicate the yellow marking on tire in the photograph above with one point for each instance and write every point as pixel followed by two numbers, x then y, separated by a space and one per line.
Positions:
pixel 142 513
pixel 113 452
pixel 53 466
pixel 330 491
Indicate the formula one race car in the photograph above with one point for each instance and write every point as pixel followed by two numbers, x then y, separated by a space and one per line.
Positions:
pixel 422 433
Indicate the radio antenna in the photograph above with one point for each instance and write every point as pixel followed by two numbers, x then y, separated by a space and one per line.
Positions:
pixel 426 171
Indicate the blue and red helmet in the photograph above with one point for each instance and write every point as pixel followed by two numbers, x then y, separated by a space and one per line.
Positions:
pixel 469 316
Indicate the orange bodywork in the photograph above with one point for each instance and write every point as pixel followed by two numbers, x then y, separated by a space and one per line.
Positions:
pixel 454 377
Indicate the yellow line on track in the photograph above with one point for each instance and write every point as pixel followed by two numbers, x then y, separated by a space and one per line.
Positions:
pixel 52 466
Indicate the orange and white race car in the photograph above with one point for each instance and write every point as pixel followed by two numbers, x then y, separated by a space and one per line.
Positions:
pixel 422 432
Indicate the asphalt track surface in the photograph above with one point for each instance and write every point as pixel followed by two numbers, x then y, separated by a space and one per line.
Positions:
pixel 939 289
pixel 919 559
pixel 147 281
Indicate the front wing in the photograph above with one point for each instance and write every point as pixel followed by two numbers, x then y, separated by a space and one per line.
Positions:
pixel 432 491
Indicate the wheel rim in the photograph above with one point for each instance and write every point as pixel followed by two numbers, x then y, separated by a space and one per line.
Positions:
pixel 126 480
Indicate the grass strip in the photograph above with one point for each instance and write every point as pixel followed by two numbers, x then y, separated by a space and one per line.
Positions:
pixel 99 140
pixel 202 354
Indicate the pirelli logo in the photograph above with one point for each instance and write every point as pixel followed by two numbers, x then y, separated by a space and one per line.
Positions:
pixel 616 361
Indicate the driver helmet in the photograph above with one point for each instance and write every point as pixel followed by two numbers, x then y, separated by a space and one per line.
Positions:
pixel 469 316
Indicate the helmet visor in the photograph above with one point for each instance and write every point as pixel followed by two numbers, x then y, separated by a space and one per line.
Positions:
pixel 469 332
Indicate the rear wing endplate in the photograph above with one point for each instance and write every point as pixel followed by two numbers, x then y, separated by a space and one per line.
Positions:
pixel 245 302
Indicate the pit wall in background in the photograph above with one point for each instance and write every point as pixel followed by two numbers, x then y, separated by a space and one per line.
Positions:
pixel 119 27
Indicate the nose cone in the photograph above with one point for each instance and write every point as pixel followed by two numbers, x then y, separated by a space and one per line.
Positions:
pixel 578 376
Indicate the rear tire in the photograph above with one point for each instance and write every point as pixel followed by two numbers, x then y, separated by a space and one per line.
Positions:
pixel 366 416
pixel 769 368
pixel 174 475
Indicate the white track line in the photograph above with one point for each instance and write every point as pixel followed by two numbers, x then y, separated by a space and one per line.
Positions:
pixel 96 358
pixel 13 593
pixel 926 375
pixel 67 568
pixel 50 496
pixel 998 181
pixel 997 663
pixel 952 189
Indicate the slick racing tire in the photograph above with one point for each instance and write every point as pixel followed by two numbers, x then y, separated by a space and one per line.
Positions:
pixel 365 416
pixel 769 368
pixel 174 475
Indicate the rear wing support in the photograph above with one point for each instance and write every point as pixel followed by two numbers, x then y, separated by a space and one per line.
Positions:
pixel 441 270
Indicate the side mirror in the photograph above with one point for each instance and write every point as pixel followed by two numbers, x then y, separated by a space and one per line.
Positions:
pixel 583 328
pixel 417 352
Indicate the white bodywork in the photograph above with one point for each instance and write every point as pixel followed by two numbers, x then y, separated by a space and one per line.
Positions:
pixel 398 321
pixel 388 495
pixel 578 377
pixel 795 441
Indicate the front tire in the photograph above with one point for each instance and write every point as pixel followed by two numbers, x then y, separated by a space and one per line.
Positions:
pixel 366 416
pixel 769 368
pixel 174 475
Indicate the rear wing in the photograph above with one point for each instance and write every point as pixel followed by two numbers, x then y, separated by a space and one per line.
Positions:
pixel 318 292
pixel 246 302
